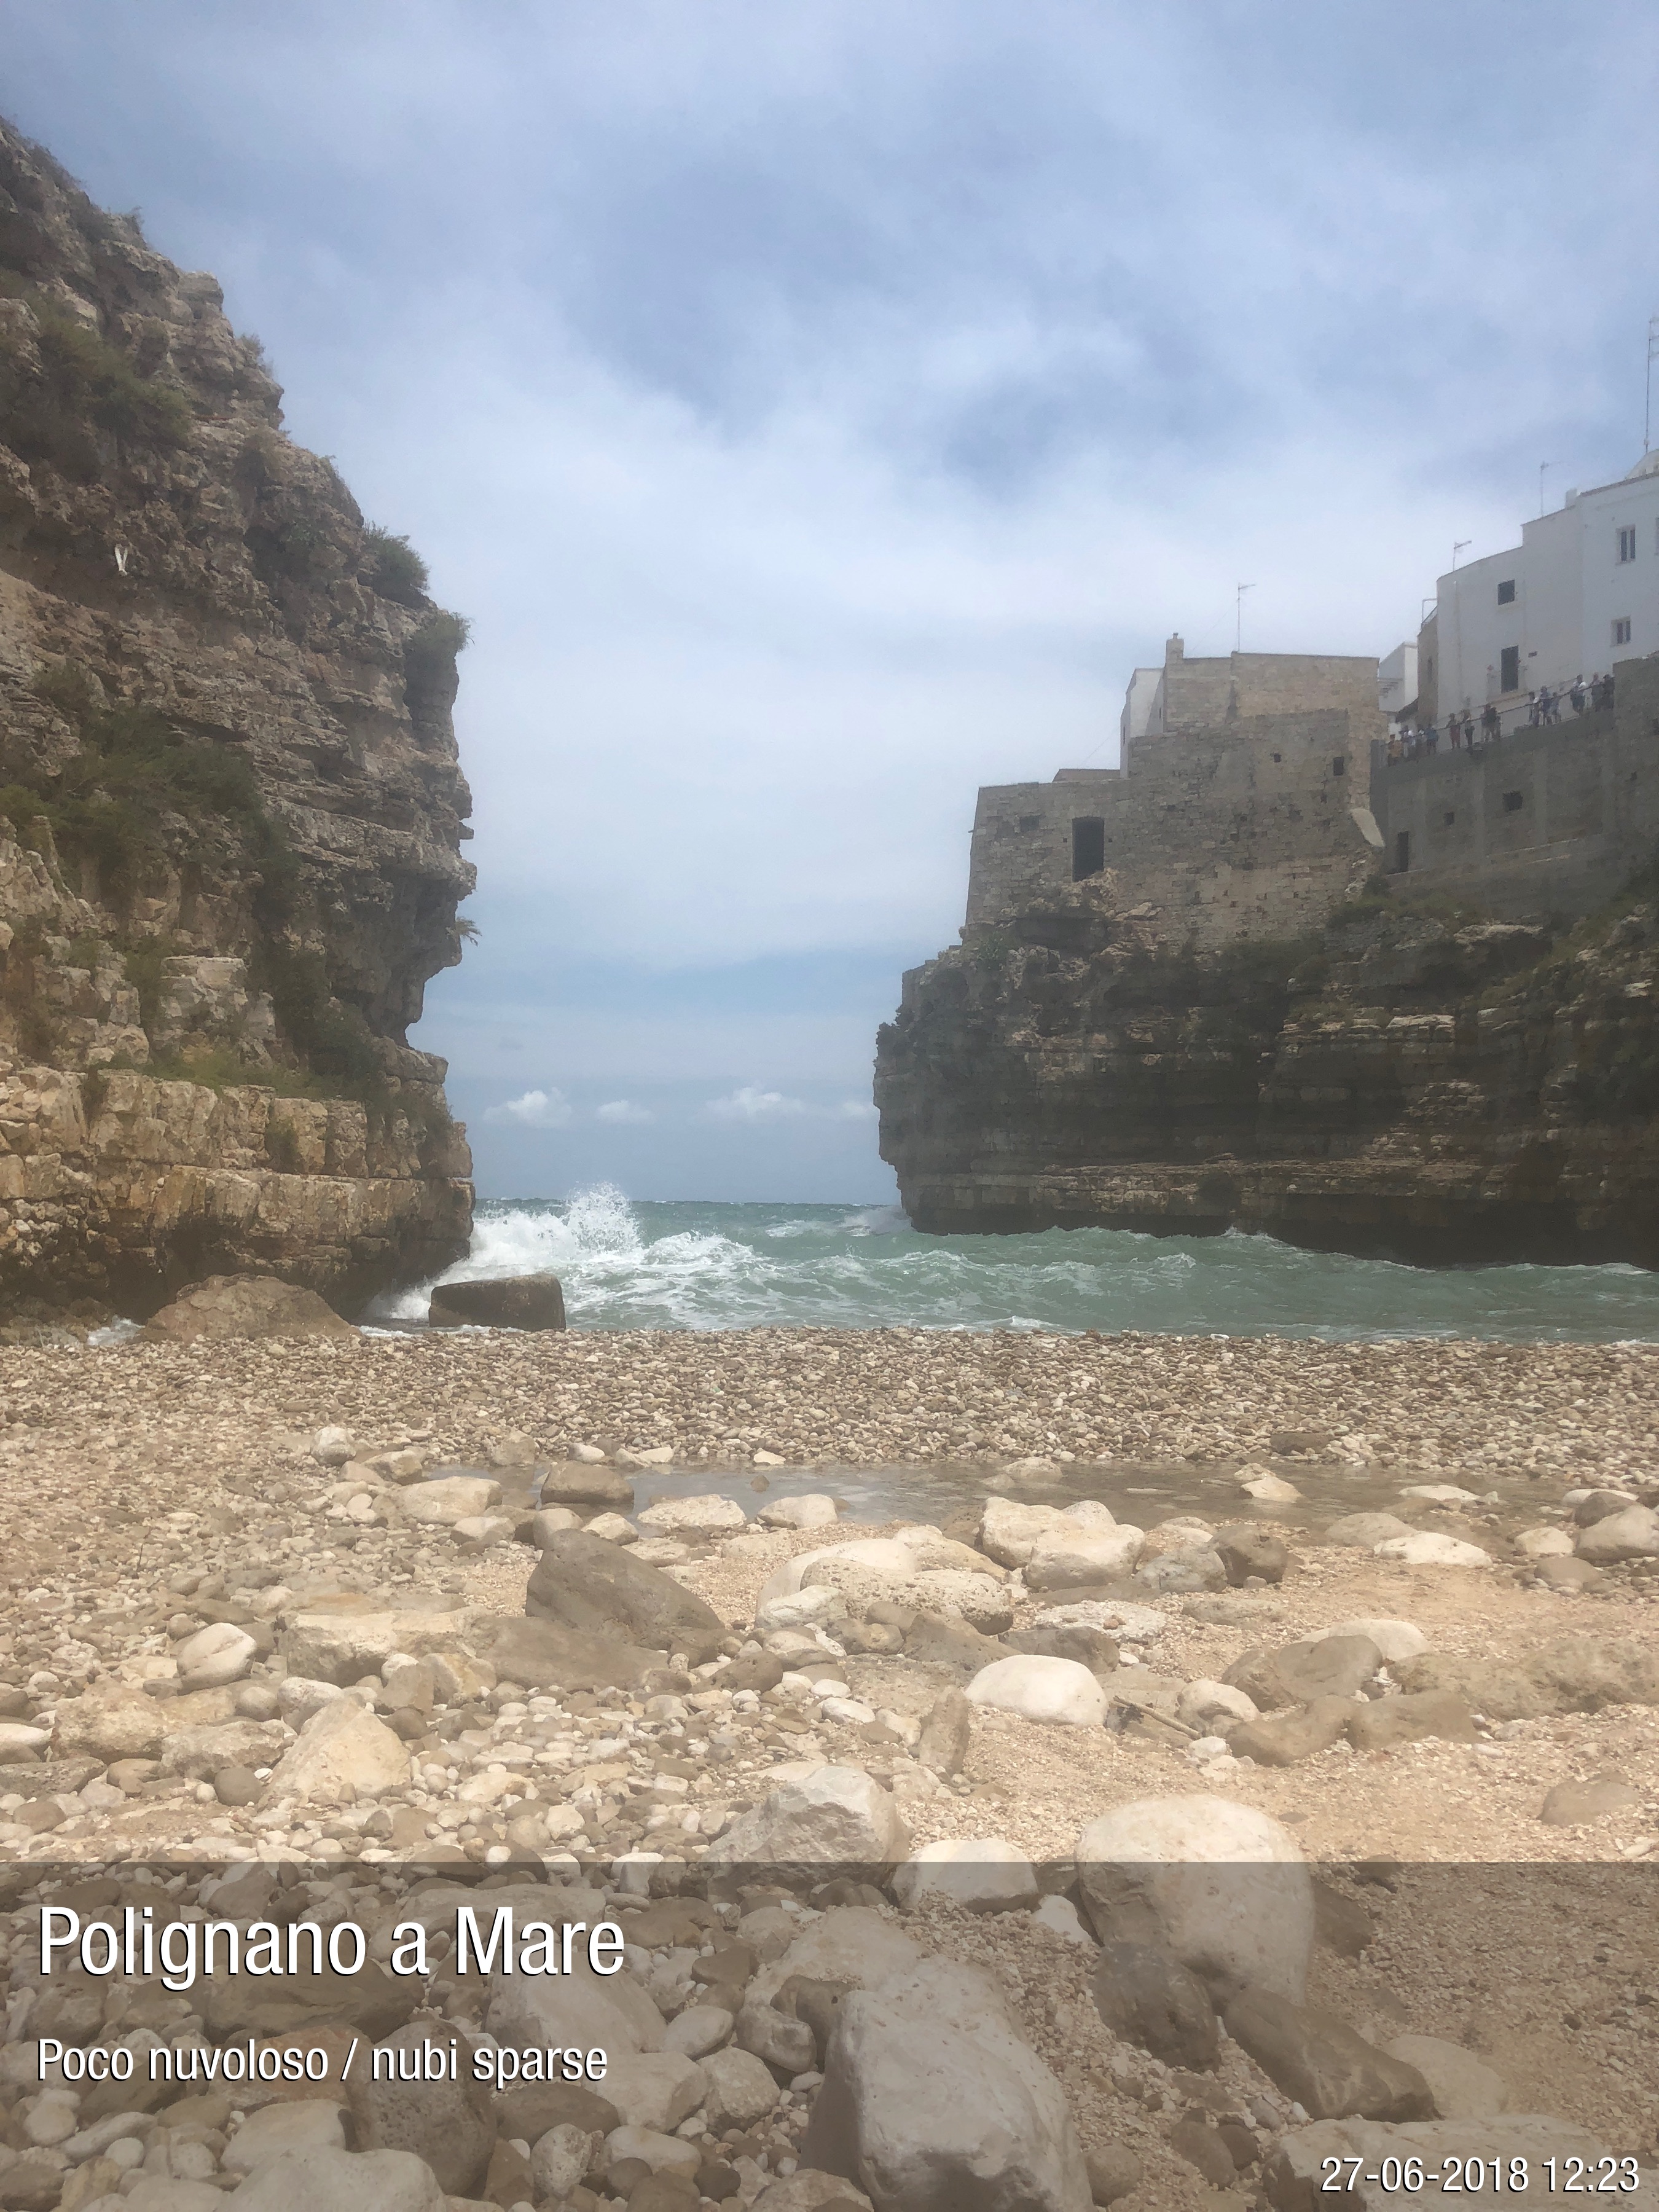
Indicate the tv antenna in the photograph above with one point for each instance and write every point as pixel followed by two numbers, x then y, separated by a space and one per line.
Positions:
pixel 1461 546
pixel 1647 411
pixel 1238 616
pixel 1542 466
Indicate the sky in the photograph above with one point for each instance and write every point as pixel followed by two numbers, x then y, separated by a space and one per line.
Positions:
pixel 819 410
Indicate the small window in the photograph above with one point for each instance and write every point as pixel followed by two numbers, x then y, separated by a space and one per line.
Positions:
pixel 1402 851
pixel 1513 802
pixel 1088 845
pixel 1622 630
pixel 1277 758
pixel 1339 765
pixel 1449 820
pixel 1030 822
pixel 1509 668
pixel 1506 593
pixel 1428 668
pixel 1627 544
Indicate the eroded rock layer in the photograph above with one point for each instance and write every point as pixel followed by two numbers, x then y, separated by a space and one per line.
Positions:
pixel 231 810
pixel 1421 1081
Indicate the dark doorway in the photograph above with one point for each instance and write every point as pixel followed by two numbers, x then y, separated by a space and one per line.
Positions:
pixel 1402 851
pixel 1088 845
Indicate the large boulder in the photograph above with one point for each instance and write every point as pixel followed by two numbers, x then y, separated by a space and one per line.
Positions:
pixel 1144 1995
pixel 1223 1886
pixel 837 1818
pixel 340 2181
pixel 342 1647
pixel 448 1499
pixel 1463 2087
pixel 1038 1689
pixel 988 1875
pixel 1428 1547
pixel 933 2102
pixel 710 1514
pixel 509 1302
pixel 1318 2060
pixel 226 1306
pixel 450 2124
pixel 581 1581
pixel 109 1721
pixel 1632 1534
pixel 343 1754
pixel 605 2012
pixel 1066 1561
pixel 1009 1533
pixel 586 1484
pixel 542 1656
pixel 1571 1674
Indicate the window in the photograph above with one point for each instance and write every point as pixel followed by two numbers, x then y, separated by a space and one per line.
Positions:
pixel 1402 851
pixel 1622 630
pixel 1088 845
pixel 1277 758
pixel 1513 802
pixel 1428 668
pixel 1509 669
pixel 1339 764
pixel 1450 819
pixel 1030 822
pixel 1627 544
pixel 1506 593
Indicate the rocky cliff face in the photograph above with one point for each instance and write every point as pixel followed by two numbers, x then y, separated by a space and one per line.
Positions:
pixel 230 806
pixel 1419 1081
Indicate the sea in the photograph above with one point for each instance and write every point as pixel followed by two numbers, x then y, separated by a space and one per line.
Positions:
pixel 633 1263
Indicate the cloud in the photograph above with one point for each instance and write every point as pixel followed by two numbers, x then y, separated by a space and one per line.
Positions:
pixel 856 1110
pixel 536 1109
pixel 625 1113
pixel 752 1104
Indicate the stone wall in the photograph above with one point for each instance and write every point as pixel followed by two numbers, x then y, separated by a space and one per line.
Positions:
pixel 1549 821
pixel 1244 830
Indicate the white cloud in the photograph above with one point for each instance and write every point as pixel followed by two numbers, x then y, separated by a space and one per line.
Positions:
pixel 856 1110
pixel 536 1109
pixel 752 1104
pixel 625 1113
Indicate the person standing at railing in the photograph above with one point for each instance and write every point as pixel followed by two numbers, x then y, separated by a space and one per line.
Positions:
pixel 1491 723
pixel 1576 694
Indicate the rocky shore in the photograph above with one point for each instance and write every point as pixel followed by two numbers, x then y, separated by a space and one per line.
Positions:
pixel 938 1847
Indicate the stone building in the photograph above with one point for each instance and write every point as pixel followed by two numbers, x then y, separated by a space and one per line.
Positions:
pixel 1241 807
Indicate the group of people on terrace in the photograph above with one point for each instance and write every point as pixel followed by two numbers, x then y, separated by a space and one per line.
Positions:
pixel 1466 733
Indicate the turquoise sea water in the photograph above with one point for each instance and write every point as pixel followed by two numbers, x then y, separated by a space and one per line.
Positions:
pixel 630 1264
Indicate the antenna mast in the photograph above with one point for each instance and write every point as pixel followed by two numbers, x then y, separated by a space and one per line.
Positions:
pixel 1238 616
pixel 1647 411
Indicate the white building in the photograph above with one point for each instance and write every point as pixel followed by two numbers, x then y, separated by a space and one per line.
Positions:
pixel 1396 682
pixel 1579 593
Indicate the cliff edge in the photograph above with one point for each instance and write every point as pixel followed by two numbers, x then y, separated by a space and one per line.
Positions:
pixel 1416 1080
pixel 231 810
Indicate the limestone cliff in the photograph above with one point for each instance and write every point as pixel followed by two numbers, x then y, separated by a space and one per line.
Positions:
pixel 1417 1081
pixel 230 806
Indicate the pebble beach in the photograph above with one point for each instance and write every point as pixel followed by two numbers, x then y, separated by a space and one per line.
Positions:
pixel 263 1600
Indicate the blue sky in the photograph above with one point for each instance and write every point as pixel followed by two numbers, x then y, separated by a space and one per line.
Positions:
pixel 819 410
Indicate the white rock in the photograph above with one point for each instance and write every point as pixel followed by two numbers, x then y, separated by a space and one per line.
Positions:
pixel 1396 1639
pixel 1039 1689
pixel 300 1696
pixel 449 1498
pixel 1089 1513
pixel 1060 1916
pixel 1009 1533
pixel 741 2089
pixel 986 1875
pixel 1225 1885
pixel 1427 1548
pixel 336 2181
pixel 332 1447
pixel 589 1454
pixel 558 2160
pixel 698 2030
pixel 214 1656
pixel 300 2123
pixel 551 1521
pixel 1066 1562
pixel 708 1515
pixel 654 2088
pixel 1632 1535
pixel 1463 2087
pixel 1202 1702
pixel 52 2118
pixel 608 2012
pixel 1133 1624
pixel 20 1735
pixel 485 1527
pixel 612 1527
pixel 1544 1543
pixel 662 2153
pixel 1267 1488
pixel 815 1510
pixel 656 1455
pixel 769 1459
pixel 852 1943
pixel 342 1753
pixel 932 2099
pixel 851 1712
pixel 800 1609
pixel 836 1816
pixel 1441 1493
pixel 883 1555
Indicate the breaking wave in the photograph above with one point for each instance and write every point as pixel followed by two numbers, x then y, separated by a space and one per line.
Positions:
pixel 634 1264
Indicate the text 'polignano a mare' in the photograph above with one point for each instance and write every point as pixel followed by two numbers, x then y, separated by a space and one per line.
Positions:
pixel 138 1946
